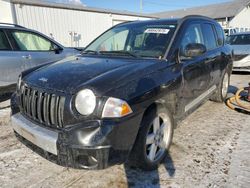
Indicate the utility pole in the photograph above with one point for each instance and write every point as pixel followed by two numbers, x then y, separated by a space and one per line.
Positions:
pixel 141 6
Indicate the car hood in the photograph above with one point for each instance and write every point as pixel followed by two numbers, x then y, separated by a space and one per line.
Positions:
pixel 100 73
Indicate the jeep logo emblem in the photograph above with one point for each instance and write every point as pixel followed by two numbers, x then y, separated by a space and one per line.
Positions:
pixel 43 79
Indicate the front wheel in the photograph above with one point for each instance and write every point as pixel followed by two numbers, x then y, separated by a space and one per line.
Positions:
pixel 221 94
pixel 153 140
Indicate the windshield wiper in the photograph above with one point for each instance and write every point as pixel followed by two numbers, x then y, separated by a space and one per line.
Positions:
pixel 90 52
pixel 120 52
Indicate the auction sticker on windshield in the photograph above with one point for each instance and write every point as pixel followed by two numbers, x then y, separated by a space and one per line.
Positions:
pixel 157 30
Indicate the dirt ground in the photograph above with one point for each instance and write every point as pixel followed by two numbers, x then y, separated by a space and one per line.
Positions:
pixel 211 148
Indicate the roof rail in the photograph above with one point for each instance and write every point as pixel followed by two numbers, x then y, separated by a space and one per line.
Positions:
pixel 197 16
pixel 10 24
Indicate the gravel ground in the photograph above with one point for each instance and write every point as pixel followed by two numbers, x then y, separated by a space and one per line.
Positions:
pixel 211 148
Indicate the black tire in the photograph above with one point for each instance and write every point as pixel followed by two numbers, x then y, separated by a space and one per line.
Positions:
pixel 219 95
pixel 139 156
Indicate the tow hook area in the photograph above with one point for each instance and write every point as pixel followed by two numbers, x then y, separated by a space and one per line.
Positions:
pixel 240 101
pixel 87 162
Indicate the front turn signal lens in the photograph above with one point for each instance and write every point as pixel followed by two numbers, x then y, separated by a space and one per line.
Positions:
pixel 115 108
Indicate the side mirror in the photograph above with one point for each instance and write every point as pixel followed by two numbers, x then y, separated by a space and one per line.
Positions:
pixel 57 49
pixel 194 50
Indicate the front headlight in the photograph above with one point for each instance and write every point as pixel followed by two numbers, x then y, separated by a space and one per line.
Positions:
pixel 115 108
pixel 85 102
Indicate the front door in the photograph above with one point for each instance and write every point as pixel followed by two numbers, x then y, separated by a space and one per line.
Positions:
pixel 11 62
pixel 35 49
pixel 196 72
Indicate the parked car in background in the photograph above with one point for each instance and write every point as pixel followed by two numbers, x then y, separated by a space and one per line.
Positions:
pixel 21 49
pixel 229 31
pixel 240 43
pixel 121 99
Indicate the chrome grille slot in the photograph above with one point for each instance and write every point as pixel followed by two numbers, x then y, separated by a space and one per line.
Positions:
pixel 42 107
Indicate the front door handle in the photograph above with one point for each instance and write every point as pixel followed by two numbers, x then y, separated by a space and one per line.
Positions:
pixel 26 56
pixel 208 60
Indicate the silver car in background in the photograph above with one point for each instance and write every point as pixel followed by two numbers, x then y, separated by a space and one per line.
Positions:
pixel 240 43
pixel 22 49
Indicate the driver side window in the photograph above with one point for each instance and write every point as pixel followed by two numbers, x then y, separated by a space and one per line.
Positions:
pixel 193 34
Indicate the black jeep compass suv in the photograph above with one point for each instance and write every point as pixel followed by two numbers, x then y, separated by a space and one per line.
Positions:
pixel 121 99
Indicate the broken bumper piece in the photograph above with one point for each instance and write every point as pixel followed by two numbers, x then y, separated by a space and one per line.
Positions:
pixel 92 145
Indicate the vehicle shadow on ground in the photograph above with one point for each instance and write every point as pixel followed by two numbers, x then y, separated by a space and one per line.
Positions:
pixel 139 178
pixel 241 73
pixel 5 107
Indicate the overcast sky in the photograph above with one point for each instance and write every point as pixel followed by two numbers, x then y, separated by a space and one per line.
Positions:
pixel 149 6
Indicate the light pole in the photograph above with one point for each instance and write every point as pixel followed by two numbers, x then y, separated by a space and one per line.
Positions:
pixel 141 6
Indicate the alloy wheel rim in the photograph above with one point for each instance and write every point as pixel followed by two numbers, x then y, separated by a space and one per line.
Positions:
pixel 157 139
pixel 225 86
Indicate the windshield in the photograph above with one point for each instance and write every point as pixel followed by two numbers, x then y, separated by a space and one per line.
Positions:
pixel 137 40
pixel 242 39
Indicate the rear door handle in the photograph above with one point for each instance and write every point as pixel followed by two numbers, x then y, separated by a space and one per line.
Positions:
pixel 26 56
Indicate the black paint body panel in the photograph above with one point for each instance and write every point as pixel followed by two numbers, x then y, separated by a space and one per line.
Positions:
pixel 140 82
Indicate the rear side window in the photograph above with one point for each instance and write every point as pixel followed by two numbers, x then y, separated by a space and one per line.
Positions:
pixel 31 42
pixel 221 36
pixel 4 44
pixel 209 37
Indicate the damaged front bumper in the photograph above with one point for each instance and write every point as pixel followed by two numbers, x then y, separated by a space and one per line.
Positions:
pixel 90 145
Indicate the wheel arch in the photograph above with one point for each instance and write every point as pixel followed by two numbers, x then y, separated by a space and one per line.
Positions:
pixel 168 103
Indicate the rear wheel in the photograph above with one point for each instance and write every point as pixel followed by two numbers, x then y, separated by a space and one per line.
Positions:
pixel 153 140
pixel 221 94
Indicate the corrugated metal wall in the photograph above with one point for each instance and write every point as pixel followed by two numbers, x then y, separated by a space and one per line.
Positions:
pixel 69 27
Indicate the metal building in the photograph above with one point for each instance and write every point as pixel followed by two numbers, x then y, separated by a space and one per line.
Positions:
pixel 71 25
pixel 232 14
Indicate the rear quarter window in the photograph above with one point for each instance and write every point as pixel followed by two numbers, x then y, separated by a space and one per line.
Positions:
pixel 4 43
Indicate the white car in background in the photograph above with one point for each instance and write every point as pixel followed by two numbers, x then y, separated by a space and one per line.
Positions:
pixel 229 31
pixel 240 43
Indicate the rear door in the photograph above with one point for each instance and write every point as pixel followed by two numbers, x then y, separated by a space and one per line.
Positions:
pixel 214 43
pixel 196 73
pixel 11 62
pixel 35 48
